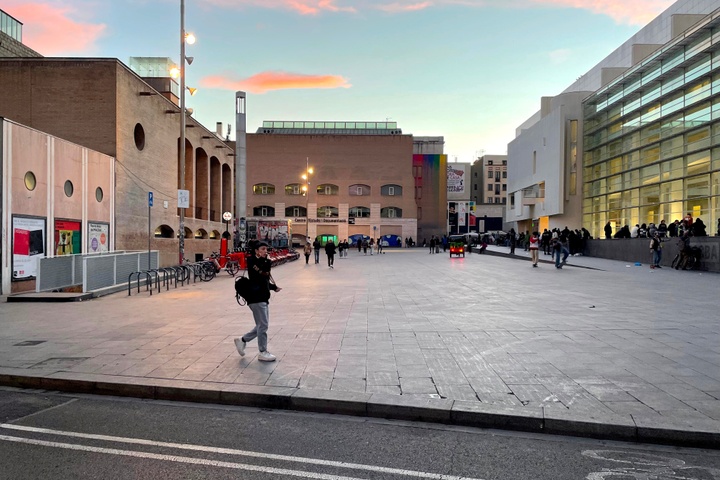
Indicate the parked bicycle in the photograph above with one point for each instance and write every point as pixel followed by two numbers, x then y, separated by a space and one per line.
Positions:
pixel 687 260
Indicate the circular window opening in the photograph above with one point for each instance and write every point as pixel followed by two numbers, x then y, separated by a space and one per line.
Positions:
pixel 139 136
pixel 69 189
pixel 98 194
pixel 30 181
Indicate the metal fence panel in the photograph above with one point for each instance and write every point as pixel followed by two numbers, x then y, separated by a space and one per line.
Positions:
pixel 55 273
pixel 125 265
pixel 100 273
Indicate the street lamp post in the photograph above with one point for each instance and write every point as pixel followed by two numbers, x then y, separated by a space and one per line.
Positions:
pixel 189 38
pixel 306 189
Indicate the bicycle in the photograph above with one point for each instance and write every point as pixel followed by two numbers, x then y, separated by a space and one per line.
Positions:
pixel 688 260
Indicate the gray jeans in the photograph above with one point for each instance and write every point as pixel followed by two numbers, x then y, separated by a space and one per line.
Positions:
pixel 261 315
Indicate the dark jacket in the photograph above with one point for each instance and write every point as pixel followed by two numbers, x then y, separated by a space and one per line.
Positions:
pixel 330 248
pixel 260 280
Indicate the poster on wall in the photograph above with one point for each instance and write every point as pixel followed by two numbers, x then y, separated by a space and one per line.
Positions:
pixel 28 246
pixel 455 179
pixel 274 233
pixel 462 213
pixel 452 215
pixel 67 237
pixel 98 234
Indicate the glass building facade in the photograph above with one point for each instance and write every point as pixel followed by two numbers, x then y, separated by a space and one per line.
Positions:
pixel 652 137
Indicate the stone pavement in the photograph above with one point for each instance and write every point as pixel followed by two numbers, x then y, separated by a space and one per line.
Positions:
pixel 613 350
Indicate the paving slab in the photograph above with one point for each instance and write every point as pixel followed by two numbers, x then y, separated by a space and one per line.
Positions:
pixel 606 350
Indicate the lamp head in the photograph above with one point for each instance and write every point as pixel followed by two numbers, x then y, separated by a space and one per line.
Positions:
pixel 189 60
pixel 190 38
pixel 174 72
pixel 191 90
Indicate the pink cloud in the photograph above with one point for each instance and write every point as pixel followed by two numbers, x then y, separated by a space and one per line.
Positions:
pixel 404 7
pixel 304 7
pixel 635 12
pixel 266 81
pixel 50 30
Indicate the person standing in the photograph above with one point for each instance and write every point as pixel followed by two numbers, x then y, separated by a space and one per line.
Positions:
pixel 340 248
pixel 330 251
pixel 371 245
pixel 656 250
pixel 307 250
pixel 260 285
pixel 513 241
pixel 432 244
pixel 534 248
pixel 316 247
pixel 608 230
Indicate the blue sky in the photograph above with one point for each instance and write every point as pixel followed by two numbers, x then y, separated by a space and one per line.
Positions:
pixel 468 70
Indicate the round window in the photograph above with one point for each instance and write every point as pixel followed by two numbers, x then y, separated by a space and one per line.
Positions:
pixel 69 189
pixel 139 136
pixel 98 194
pixel 30 181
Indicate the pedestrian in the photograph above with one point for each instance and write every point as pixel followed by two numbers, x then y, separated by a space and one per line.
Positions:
pixel 359 244
pixel 513 241
pixel 365 244
pixel 656 250
pixel 330 251
pixel 534 248
pixel 608 230
pixel 432 244
pixel 261 282
pixel 316 247
pixel 371 245
pixel 340 248
pixel 307 250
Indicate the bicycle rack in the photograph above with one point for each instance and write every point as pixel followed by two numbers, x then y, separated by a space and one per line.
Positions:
pixel 154 275
pixel 169 276
pixel 147 283
pixel 178 278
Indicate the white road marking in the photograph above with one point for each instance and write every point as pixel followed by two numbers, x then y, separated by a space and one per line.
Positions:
pixel 231 451
pixel 177 459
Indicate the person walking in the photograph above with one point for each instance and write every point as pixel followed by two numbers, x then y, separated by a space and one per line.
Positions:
pixel 261 282
pixel 330 251
pixel 656 250
pixel 316 247
pixel 432 244
pixel 371 245
pixel 307 250
pixel 534 248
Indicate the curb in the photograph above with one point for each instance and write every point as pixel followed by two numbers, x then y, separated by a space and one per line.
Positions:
pixel 552 421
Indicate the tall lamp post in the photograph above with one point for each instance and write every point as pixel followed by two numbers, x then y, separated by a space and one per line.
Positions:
pixel 189 39
pixel 306 191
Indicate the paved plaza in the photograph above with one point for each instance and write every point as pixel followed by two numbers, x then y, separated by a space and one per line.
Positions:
pixel 599 341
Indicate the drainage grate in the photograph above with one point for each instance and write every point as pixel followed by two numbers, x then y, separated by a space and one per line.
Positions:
pixel 60 362
pixel 29 343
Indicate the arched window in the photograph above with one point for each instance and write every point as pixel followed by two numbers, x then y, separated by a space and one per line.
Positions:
pixel 201 233
pixel 391 190
pixel 359 190
pixel 264 211
pixel 360 212
pixel 327 212
pixel 264 189
pixel 293 189
pixel 327 189
pixel 295 211
pixel 164 231
pixel 391 212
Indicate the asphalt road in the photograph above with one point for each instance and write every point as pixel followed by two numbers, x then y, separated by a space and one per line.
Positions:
pixel 61 436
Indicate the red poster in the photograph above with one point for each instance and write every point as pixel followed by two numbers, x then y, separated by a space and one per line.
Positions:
pixel 21 243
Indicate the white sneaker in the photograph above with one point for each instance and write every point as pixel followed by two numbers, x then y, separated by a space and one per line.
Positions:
pixel 240 345
pixel 266 357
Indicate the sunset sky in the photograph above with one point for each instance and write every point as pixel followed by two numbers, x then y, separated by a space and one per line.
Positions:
pixel 469 70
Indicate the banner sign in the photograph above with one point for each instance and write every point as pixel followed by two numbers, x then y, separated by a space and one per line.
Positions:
pixel 28 246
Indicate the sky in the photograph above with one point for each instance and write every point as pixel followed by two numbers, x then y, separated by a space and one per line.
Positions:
pixel 468 70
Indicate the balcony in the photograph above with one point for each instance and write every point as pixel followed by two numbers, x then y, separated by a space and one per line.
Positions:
pixel 533 195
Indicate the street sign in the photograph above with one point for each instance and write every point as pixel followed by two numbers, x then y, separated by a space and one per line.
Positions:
pixel 183 198
pixel 227 216
pixel 150 199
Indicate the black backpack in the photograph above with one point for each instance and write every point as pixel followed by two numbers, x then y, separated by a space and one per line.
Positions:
pixel 242 290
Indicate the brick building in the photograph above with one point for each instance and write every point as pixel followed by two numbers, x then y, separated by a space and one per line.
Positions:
pixel 103 105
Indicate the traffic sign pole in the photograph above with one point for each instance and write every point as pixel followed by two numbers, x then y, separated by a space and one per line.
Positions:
pixel 150 204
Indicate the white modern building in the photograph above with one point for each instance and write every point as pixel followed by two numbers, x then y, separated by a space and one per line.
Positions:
pixel 545 160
